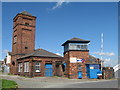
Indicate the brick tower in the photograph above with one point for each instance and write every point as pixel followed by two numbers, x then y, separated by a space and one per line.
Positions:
pixel 76 55
pixel 23 41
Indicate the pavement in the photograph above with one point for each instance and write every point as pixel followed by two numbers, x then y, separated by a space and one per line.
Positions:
pixel 60 82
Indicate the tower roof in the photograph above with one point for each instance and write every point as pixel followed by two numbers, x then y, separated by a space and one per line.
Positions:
pixel 26 13
pixel 76 40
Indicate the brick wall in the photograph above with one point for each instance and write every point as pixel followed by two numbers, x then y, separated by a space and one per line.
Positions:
pixel 25 35
pixel 72 68
pixel 57 71
pixel 23 38
pixel 108 72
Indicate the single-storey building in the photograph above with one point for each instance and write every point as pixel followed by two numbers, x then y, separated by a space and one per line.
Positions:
pixel 40 63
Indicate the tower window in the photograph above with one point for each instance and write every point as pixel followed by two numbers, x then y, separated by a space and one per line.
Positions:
pixel 15 30
pixel 27 18
pixel 26 29
pixel 84 47
pixel 26 24
pixel 15 39
pixel 78 46
pixel 26 47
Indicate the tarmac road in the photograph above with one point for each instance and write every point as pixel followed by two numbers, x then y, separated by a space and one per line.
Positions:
pixel 89 84
pixel 59 82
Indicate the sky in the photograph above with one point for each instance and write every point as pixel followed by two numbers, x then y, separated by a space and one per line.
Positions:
pixel 58 22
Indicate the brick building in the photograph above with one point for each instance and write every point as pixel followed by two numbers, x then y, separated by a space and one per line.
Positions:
pixel 23 41
pixel 40 63
pixel 77 59
pixel 26 61
pixel 108 72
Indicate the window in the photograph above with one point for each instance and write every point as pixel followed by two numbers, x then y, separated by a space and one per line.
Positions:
pixel 26 66
pixel 37 66
pixel 26 29
pixel 13 63
pixel 15 30
pixel 26 47
pixel 20 67
pixel 66 47
pixel 84 47
pixel 15 39
pixel 73 47
pixel 64 67
pixel 78 46
pixel 26 24
pixel 27 18
pixel 79 68
pixel 91 67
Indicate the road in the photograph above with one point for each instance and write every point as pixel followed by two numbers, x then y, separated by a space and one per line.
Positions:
pixel 90 84
pixel 60 82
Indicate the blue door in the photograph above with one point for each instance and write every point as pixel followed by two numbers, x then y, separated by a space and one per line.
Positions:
pixel 79 74
pixel 48 70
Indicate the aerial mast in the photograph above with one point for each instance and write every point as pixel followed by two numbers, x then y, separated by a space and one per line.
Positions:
pixel 102 43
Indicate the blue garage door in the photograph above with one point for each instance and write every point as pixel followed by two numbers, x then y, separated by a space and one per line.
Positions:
pixel 93 73
pixel 79 74
pixel 48 70
pixel 93 70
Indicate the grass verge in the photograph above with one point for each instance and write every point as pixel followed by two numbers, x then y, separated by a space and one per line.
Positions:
pixel 8 84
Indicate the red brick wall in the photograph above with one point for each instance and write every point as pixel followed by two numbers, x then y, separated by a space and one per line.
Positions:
pixel 14 68
pixel 25 38
pixel 72 68
pixel 43 61
pixel 108 72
